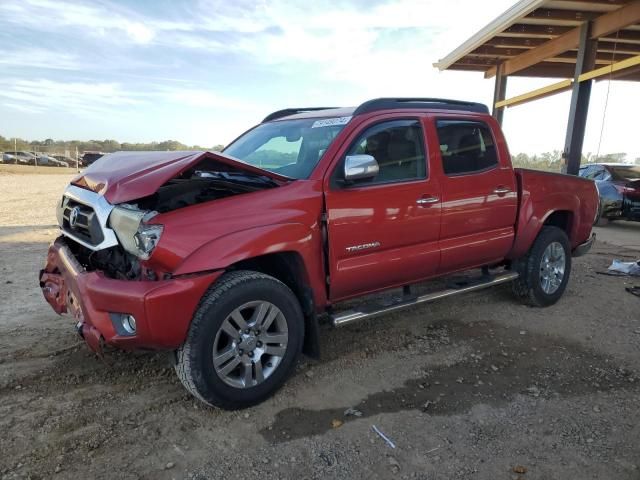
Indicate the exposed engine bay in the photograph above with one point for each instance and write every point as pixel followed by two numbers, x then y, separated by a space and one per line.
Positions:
pixel 206 181
pixel 200 184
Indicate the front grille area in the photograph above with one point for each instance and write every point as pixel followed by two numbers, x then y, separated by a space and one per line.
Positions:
pixel 81 221
pixel 114 262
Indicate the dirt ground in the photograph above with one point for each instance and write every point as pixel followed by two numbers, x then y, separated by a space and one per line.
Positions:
pixel 474 387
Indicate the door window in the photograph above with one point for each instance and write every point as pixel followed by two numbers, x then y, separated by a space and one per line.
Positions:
pixel 397 146
pixel 466 147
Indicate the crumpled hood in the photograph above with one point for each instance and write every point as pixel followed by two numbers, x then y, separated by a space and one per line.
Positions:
pixel 126 176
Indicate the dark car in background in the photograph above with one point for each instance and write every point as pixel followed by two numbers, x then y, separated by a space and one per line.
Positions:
pixel 89 157
pixel 619 189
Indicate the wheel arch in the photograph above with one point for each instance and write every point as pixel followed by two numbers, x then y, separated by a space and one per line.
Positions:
pixel 286 266
pixel 289 252
pixel 557 211
pixel 563 219
pixel 289 268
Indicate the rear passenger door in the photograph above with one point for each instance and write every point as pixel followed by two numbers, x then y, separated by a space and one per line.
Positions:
pixel 479 194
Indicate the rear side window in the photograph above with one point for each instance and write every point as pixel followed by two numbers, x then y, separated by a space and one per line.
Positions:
pixel 466 147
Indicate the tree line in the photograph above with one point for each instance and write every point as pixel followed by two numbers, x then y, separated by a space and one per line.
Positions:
pixel 549 161
pixel 553 161
pixel 107 146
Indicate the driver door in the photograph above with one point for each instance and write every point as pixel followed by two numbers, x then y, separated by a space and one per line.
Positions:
pixel 383 232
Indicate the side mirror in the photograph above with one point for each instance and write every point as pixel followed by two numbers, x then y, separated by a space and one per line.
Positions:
pixel 360 167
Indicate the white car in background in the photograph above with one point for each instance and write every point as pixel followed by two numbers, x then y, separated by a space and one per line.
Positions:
pixel 50 161
pixel 25 158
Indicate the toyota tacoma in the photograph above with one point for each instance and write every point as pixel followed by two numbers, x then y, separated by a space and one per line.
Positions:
pixel 229 260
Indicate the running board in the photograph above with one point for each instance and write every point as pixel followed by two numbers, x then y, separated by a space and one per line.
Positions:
pixel 366 312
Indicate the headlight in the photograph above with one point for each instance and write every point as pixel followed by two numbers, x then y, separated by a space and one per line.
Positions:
pixel 134 234
pixel 147 238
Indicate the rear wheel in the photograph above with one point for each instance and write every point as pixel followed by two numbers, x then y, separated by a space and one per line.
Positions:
pixel 545 270
pixel 243 341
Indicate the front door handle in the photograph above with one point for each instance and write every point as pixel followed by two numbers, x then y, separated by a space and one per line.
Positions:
pixel 427 200
pixel 502 190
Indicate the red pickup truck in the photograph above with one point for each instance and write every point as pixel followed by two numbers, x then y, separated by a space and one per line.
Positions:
pixel 229 259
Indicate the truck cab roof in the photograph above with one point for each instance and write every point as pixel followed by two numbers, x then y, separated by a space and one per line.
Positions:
pixel 377 104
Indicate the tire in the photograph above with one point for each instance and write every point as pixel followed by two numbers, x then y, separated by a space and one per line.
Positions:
pixel 214 331
pixel 532 287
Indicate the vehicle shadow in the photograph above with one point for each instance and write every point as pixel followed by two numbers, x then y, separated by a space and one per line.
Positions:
pixel 504 364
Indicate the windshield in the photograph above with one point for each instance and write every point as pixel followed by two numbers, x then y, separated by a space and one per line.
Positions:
pixel 625 173
pixel 290 147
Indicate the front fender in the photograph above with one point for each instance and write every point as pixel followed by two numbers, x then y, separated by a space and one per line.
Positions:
pixel 224 251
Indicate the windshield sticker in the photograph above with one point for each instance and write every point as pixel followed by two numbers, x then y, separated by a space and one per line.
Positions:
pixel 330 122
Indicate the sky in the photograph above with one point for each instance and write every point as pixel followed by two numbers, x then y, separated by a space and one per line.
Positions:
pixel 203 71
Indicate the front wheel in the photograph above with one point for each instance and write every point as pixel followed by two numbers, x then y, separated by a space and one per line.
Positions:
pixel 545 270
pixel 243 341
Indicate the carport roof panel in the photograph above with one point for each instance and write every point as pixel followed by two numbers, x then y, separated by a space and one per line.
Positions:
pixel 531 23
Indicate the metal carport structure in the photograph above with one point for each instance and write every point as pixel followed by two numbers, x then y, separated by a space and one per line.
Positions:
pixel 576 41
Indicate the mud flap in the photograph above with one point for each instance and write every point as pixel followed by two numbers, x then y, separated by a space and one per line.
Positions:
pixel 311 345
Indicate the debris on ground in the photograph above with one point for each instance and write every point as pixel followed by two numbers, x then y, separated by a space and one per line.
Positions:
pixel 352 412
pixel 635 290
pixel 519 469
pixel 335 423
pixel 383 436
pixel 625 268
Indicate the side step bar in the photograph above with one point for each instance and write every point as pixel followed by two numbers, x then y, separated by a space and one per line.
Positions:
pixel 370 311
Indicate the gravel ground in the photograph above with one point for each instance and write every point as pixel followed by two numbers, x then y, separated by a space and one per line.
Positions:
pixel 474 387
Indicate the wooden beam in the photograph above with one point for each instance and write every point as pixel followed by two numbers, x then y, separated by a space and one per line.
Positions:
pixel 491 51
pixel 556 14
pixel 629 74
pixel 535 55
pixel 616 20
pixel 485 61
pixel 601 27
pixel 625 69
pixel 547 70
pixel 533 31
pixel 623 36
pixel 624 48
pixel 467 68
pixel 610 69
pixel 513 42
pixel 603 2
pixel 549 90
pixel 602 57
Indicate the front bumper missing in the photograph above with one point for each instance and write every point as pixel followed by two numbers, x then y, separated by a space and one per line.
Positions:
pixel 163 309
pixel 584 248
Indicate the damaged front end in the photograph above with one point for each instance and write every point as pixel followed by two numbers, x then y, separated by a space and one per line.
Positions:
pixel 119 239
pixel 102 270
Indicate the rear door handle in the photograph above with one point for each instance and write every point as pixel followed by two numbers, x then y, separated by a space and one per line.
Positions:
pixel 427 200
pixel 502 190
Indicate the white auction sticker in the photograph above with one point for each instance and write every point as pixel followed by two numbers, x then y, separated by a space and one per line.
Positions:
pixel 330 122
